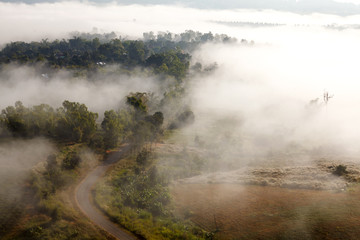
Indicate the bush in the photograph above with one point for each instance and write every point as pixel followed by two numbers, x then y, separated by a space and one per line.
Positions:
pixel 340 170
pixel 97 142
pixel 71 161
pixel 184 119
pixel 142 157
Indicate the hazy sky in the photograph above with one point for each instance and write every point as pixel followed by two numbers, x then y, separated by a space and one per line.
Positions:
pixel 340 7
pixel 29 22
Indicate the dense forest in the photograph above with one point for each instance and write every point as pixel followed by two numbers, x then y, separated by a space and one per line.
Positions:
pixel 165 53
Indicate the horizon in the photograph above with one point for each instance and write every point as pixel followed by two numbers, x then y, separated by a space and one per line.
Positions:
pixel 337 7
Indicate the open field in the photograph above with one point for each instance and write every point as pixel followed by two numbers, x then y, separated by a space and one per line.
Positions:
pixel 237 211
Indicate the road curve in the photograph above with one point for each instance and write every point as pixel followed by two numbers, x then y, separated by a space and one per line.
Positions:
pixel 83 198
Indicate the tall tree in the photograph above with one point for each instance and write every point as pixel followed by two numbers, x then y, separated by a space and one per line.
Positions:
pixel 14 119
pixel 112 128
pixel 75 122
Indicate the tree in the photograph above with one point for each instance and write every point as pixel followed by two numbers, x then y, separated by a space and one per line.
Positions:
pixel 75 122
pixel 142 133
pixel 138 101
pixel 53 174
pixel 112 128
pixel 14 119
pixel 136 52
pixel 71 161
pixel 172 63
pixel 41 120
pixel 156 120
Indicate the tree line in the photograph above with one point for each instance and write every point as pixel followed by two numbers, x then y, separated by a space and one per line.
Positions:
pixel 73 122
pixel 165 53
pixel 70 122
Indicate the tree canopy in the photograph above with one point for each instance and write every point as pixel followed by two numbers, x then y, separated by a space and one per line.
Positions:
pixel 166 53
pixel 71 122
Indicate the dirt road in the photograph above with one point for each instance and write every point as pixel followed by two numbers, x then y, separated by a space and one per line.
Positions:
pixel 83 198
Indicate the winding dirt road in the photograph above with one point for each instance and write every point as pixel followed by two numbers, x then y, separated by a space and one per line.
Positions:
pixel 83 198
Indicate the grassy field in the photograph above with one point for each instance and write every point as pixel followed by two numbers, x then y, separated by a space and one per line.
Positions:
pixel 256 212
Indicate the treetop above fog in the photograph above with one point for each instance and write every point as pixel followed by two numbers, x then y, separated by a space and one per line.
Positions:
pixel 165 53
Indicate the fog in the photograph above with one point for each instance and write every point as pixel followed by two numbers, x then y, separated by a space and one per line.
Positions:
pixel 339 7
pixel 17 158
pixel 24 154
pixel 260 115
pixel 19 21
pixel 270 87
pixel 267 86
pixel 26 84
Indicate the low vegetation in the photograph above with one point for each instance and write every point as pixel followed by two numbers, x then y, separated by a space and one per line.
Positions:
pixel 136 196
pixel 340 170
pixel 44 209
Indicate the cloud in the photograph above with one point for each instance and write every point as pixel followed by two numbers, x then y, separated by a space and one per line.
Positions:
pixel 20 83
pixel 357 2
pixel 340 7
pixel 28 22
pixel 268 89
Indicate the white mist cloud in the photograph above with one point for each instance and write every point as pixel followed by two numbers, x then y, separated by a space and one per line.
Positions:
pixel 357 2
pixel 23 154
pixel 26 84
pixel 267 85
pixel 29 22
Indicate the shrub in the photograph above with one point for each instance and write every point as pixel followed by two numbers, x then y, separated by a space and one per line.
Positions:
pixel 184 119
pixel 71 161
pixel 142 157
pixel 340 170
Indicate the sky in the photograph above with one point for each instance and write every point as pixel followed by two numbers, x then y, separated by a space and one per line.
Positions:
pixel 56 20
pixel 339 7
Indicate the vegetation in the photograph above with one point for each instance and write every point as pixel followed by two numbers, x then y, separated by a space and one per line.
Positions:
pixel 40 211
pixel 340 170
pixel 71 122
pixel 11 206
pixel 137 195
pixel 115 126
pixel 166 53
pixel 138 192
